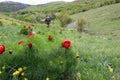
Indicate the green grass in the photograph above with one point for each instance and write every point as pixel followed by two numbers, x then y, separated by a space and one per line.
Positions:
pixel 96 51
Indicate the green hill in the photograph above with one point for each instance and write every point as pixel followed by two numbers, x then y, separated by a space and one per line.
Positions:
pixel 9 6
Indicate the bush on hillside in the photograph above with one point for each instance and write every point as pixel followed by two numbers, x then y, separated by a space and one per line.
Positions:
pixel 26 30
pixel 80 24
pixel 30 17
pixel 64 19
pixel 39 59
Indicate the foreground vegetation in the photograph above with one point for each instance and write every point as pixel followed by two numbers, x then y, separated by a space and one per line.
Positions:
pixel 40 53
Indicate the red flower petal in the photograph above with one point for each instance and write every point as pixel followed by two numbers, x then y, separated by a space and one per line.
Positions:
pixel 66 44
pixel 20 42
pixel 30 45
pixel 30 35
pixel 2 49
pixel 50 37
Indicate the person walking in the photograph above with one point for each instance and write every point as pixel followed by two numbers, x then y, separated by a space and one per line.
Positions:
pixel 48 20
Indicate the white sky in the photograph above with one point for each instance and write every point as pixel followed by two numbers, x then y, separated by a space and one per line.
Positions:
pixel 36 1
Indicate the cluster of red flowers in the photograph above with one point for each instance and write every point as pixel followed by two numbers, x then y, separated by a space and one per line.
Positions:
pixel 22 42
pixel 66 44
pixel 2 49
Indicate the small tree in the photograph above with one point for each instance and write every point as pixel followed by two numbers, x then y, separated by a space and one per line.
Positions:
pixel 80 24
pixel 64 19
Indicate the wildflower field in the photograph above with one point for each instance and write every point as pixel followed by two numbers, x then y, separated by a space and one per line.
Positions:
pixel 31 51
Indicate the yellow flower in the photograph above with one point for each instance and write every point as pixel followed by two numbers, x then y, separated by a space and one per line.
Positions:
pixel 47 78
pixel 3 67
pixel 110 69
pixel 0 72
pixel 22 73
pixel 16 73
pixel 20 69
pixel 25 78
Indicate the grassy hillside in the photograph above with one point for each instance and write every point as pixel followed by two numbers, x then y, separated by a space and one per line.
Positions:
pixel 89 57
pixel 9 6
pixel 71 7
pixel 104 21
pixel 31 13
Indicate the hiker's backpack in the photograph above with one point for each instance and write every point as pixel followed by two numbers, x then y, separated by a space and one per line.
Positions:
pixel 48 19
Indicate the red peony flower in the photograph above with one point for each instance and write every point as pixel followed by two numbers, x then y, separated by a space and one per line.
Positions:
pixel 20 42
pixel 50 37
pixel 30 35
pixel 30 45
pixel 66 44
pixel 2 49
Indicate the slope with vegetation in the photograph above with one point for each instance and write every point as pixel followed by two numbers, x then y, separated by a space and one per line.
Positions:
pixel 32 13
pixel 44 55
pixel 102 21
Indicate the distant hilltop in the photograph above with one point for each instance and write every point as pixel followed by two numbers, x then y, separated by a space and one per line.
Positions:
pixel 9 6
